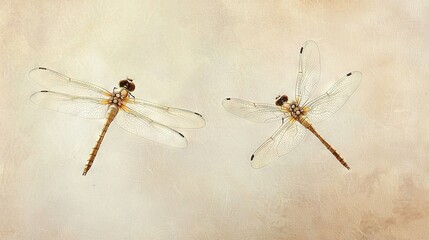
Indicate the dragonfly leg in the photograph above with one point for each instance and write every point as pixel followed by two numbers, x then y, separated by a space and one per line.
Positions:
pixel 129 93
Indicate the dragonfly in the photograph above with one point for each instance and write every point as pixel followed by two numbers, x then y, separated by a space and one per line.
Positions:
pixel 148 120
pixel 299 114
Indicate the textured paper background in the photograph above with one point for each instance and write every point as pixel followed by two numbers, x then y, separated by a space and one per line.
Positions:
pixel 192 54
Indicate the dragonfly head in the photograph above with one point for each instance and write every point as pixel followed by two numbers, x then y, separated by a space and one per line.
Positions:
pixel 128 84
pixel 280 100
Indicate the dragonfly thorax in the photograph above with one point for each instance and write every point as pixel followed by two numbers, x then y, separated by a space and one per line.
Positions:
pixel 118 96
pixel 291 107
pixel 295 110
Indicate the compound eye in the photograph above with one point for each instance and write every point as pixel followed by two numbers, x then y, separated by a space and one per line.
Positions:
pixel 284 98
pixel 281 100
pixel 131 86
pixel 123 83
pixel 128 84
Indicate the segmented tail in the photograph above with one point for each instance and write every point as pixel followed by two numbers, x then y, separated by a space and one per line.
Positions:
pixel 327 145
pixel 110 116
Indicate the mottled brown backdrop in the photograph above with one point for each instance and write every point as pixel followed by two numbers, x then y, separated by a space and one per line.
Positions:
pixel 192 54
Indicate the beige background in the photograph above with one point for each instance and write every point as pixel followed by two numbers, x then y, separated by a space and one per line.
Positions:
pixel 192 54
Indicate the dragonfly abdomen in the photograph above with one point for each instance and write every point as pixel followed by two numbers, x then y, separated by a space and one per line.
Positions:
pixel 111 114
pixel 308 125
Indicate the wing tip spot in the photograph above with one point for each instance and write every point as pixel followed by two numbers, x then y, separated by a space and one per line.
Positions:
pixel 253 156
pixel 44 91
pixel 228 99
pixel 198 114
pixel 349 74
pixel 43 68
pixel 302 49
pixel 181 134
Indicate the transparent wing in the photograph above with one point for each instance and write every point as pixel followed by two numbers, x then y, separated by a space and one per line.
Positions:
pixel 327 104
pixel 286 138
pixel 58 82
pixel 173 117
pixel 309 72
pixel 256 112
pixel 86 107
pixel 136 123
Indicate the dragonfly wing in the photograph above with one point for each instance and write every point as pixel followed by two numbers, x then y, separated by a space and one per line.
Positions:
pixel 327 104
pixel 86 107
pixel 173 117
pixel 286 138
pixel 58 82
pixel 309 72
pixel 255 112
pixel 136 123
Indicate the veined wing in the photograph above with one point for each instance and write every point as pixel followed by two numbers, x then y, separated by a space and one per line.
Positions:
pixel 327 104
pixel 256 112
pixel 309 72
pixel 58 82
pixel 172 117
pixel 86 107
pixel 286 138
pixel 136 123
